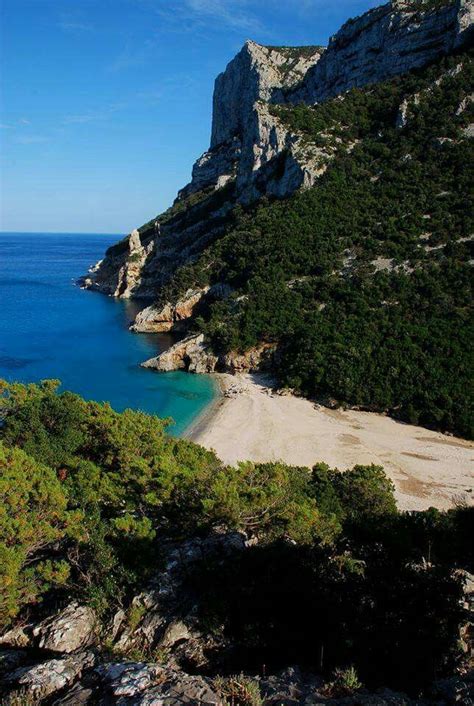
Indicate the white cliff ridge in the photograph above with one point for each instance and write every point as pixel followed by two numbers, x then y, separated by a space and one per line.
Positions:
pixel 254 154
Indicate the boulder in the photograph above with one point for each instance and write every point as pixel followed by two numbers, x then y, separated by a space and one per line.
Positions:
pixel 179 689
pixel 127 679
pixel 69 630
pixel 17 637
pixel 47 678
pixel 191 354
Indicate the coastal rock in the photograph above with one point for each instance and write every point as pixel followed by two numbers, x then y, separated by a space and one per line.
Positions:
pixel 194 355
pixel 170 316
pixel 70 630
pixel 253 154
pixel 191 354
pixel 119 273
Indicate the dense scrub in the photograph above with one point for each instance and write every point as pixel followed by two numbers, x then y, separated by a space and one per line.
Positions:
pixel 364 282
pixel 337 577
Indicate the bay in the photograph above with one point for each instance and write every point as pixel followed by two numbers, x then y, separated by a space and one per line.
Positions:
pixel 50 328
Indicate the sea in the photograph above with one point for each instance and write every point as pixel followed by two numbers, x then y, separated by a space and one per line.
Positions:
pixel 50 328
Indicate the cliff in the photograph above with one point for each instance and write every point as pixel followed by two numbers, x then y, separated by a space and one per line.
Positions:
pixel 329 220
pixel 253 153
pixel 246 138
pixel 387 41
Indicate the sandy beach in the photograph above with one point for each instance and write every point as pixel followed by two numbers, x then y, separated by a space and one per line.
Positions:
pixel 251 421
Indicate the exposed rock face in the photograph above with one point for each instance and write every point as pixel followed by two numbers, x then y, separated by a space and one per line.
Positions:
pixel 245 136
pixel 42 680
pixel 255 74
pixel 143 684
pixel 382 43
pixel 170 316
pixel 194 355
pixel 70 630
pixel 253 154
pixel 191 354
pixel 385 42
pixel 120 273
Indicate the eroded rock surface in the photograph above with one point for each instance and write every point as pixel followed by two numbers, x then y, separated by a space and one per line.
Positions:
pixel 194 355
pixel 385 42
pixel 47 678
pixel 70 630
pixel 170 317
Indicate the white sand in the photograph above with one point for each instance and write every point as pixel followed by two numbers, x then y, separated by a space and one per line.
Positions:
pixel 427 468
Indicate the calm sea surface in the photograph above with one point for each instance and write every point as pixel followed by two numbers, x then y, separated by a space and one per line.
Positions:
pixel 49 328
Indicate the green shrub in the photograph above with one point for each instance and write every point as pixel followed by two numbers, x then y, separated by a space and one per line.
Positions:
pixel 33 519
pixel 239 690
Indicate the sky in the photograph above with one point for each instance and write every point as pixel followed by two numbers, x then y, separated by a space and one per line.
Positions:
pixel 106 104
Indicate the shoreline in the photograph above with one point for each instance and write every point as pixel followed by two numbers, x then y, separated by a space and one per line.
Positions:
pixel 204 419
pixel 251 421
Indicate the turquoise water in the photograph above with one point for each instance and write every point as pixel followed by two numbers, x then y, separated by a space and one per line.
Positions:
pixel 49 328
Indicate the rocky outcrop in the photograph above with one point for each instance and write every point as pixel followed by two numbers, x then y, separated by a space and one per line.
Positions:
pixel 191 354
pixel 254 154
pixel 151 685
pixel 42 680
pixel 256 74
pixel 245 136
pixel 170 316
pixel 120 273
pixel 175 316
pixel 194 355
pixel 167 636
pixel 385 42
pixel 69 630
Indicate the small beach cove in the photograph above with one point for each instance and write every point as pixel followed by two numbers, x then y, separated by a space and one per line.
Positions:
pixel 252 421
pixel 50 328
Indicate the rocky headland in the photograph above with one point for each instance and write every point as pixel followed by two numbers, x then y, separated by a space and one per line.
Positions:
pixel 253 153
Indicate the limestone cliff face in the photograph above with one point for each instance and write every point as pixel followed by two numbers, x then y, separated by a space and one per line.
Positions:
pixel 120 273
pixel 251 147
pixel 245 137
pixel 253 153
pixel 385 42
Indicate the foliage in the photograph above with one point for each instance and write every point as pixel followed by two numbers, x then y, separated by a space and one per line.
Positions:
pixel 345 682
pixel 238 690
pixel 33 518
pixel 338 576
pixel 280 604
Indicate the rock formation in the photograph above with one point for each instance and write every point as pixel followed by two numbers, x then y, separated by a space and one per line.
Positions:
pixel 387 41
pixel 254 154
pixel 166 630
pixel 70 630
pixel 193 355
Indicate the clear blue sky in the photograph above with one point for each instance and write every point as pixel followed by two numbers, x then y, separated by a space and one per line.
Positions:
pixel 106 104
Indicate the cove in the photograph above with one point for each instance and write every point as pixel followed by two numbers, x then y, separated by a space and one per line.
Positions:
pixel 50 328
